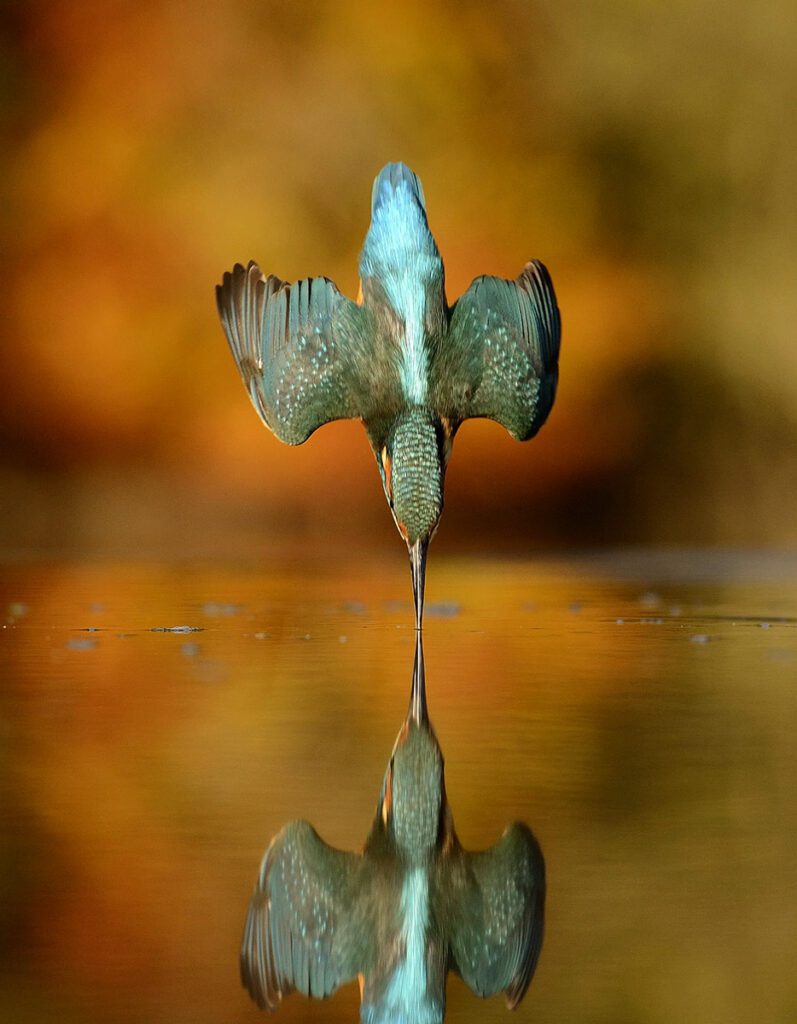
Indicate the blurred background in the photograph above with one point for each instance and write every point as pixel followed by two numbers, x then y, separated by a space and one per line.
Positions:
pixel 187 658
pixel 647 153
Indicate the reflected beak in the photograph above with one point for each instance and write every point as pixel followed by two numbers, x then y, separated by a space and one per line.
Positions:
pixel 418 566
pixel 418 711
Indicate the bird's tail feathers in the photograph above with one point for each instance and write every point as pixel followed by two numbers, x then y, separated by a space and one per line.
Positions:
pixel 390 179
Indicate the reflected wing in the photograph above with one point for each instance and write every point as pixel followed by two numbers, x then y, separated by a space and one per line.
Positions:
pixel 294 345
pixel 498 905
pixel 298 932
pixel 500 359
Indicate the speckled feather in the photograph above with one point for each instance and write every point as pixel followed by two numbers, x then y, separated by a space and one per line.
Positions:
pixel 299 931
pixel 308 355
pixel 297 348
pixel 411 906
pixel 495 901
pixel 501 357
pixel 418 472
pixel 411 369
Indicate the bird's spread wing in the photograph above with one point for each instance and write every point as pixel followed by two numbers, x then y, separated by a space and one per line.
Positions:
pixel 299 933
pixel 292 344
pixel 496 907
pixel 500 358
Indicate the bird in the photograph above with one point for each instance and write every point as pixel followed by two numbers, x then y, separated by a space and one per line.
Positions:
pixel 412 905
pixel 400 359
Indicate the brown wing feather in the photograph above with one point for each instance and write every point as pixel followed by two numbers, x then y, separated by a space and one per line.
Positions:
pixel 297 348
pixel 496 903
pixel 299 931
pixel 501 355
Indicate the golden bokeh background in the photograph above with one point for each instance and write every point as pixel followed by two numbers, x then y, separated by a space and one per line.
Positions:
pixel 645 152
pixel 638 711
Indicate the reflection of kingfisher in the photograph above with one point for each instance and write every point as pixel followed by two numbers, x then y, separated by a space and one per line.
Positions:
pixel 412 906
pixel 401 361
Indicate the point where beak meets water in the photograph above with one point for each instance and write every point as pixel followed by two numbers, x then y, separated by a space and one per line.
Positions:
pixel 418 711
pixel 418 566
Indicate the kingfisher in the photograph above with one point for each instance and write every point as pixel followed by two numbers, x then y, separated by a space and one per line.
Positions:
pixel 407 909
pixel 400 359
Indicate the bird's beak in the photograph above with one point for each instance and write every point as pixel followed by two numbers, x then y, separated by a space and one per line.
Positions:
pixel 418 566
pixel 418 711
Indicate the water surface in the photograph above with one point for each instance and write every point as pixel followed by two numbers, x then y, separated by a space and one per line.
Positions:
pixel 161 722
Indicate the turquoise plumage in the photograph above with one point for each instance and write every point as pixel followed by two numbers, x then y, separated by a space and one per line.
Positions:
pixel 404 362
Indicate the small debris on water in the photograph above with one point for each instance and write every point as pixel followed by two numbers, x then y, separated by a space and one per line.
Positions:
pixel 676 610
pixel 343 639
pixel 190 650
pixel 96 607
pixel 652 622
pixel 308 636
pixel 260 635
pixel 177 629
pixel 89 629
pixel 650 599
pixel 17 609
pixel 216 608
pixel 575 607
pixel 764 625
pixel 699 638
pixel 530 606
pixel 81 644
pixel 443 610
pixel 620 622
pixel 355 607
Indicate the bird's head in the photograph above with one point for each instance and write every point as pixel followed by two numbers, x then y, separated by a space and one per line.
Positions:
pixel 413 794
pixel 413 802
pixel 412 464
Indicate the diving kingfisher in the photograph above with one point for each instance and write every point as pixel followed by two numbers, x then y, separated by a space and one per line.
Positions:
pixel 399 359
pixel 407 909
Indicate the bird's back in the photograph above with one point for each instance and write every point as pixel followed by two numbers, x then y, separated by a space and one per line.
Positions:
pixel 406 983
pixel 399 242
pixel 402 276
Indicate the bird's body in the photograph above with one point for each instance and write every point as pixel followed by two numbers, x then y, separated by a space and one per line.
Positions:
pixel 401 914
pixel 401 360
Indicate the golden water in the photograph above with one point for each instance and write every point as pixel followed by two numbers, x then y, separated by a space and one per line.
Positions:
pixel 143 772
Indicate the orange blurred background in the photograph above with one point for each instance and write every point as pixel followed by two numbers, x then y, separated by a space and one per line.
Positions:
pixel 646 153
